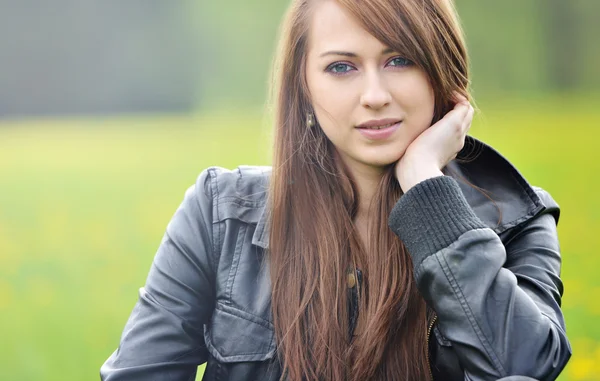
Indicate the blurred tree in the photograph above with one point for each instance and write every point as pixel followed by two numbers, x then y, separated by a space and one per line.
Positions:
pixel 589 30
pixel 505 46
pixel 239 39
pixel 563 42
pixel 96 57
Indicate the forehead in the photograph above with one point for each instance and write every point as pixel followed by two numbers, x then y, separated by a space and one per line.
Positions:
pixel 333 28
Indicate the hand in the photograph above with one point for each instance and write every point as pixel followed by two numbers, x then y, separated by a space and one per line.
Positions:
pixel 435 147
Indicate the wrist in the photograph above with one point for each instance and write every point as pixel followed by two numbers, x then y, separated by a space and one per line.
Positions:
pixel 411 175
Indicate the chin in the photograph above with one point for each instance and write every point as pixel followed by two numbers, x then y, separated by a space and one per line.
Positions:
pixel 380 162
pixel 382 158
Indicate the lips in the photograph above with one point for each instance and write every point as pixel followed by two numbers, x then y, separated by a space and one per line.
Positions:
pixel 381 132
pixel 379 127
pixel 377 124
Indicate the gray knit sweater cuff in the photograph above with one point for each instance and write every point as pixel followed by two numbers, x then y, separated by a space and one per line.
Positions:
pixel 432 215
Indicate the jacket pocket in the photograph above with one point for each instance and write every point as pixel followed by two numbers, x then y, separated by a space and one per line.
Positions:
pixel 441 340
pixel 444 363
pixel 237 336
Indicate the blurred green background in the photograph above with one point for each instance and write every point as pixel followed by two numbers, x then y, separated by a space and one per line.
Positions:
pixel 101 134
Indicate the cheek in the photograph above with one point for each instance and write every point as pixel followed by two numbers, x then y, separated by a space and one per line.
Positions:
pixel 417 99
pixel 331 109
pixel 325 97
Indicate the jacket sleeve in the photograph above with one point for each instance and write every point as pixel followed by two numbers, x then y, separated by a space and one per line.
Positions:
pixel 163 337
pixel 498 305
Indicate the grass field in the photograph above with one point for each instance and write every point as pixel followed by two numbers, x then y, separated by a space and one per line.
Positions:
pixel 84 203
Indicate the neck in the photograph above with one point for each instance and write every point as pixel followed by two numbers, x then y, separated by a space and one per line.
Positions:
pixel 367 180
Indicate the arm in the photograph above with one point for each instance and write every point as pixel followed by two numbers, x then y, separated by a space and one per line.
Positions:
pixel 499 306
pixel 163 338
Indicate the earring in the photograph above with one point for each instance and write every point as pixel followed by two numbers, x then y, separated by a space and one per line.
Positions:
pixel 310 120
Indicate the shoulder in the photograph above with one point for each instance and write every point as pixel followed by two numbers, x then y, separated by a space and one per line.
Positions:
pixel 234 193
pixel 498 192
pixel 550 204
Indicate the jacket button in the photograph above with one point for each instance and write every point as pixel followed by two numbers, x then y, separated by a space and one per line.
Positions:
pixel 351 280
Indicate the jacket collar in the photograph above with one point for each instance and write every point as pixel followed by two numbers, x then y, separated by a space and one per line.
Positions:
pixel 501 197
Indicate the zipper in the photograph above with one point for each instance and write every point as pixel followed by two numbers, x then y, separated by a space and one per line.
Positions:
pixel 428 335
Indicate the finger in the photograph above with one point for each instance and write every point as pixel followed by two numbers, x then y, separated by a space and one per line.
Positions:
pixel 468 119
pixel 460 110
pixel 457 115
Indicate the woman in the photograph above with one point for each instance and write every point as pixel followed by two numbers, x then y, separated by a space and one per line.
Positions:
pixel 372 250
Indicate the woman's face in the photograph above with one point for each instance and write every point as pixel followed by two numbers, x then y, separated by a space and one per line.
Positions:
pixel 353 78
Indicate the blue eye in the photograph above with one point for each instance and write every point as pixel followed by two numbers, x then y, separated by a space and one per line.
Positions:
pixel 399 61
pixel 339 68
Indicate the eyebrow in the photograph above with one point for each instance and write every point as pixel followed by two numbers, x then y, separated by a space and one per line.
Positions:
pixel 351 54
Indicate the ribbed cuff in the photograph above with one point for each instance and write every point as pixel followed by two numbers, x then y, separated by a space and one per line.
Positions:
pixel 432 215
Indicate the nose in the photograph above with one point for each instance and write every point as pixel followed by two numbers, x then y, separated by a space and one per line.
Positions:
pixel 375 94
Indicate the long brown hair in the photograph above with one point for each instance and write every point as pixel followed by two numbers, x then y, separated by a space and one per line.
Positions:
pixel 313 201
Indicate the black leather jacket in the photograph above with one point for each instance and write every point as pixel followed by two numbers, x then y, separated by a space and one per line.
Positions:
pixel 492 279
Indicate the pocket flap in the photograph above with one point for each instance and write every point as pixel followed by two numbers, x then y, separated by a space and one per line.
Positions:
pixel 237 336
